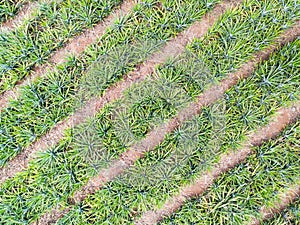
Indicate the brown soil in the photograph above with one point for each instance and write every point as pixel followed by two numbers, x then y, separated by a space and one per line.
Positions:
pixel 227 161
pixel 74 47
pixel 285 199
pixel 48 219
pixel 24 13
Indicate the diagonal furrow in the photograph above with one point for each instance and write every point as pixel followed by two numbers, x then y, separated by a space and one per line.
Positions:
pixel 285 199
pixel 171 49
pixel 74 47
pixel 283 117
pixel 157 135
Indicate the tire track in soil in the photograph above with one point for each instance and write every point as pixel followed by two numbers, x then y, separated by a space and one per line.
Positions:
pixel 75 47
pixel 156 136
pixel 24 13
pixel 283 117
pixel 285 199
pixel 173 48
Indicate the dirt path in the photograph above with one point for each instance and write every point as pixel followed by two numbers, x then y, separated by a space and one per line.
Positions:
pixel 24 13
pixel 285 199
pixel 173 48
pixel 157 135
pixel 75 46
pixel 283 117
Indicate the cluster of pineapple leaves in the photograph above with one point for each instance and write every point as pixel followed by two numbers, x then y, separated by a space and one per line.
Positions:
pixel 9 8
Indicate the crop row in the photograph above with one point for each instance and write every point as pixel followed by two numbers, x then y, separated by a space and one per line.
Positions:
pixel 237 196
pixel 53 25
pixel 9 8
pixel 61 170
pixel 23 123
pixel 288 216
pixel 181 157
pixel 50 99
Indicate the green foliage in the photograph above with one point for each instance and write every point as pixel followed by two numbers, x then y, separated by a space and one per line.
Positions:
pixel 60 170
pixel 92 145
pixel 54 96
pixel 242 31
pixel 53 25
pixel 237 196
pixel 9 8
pixel 161 172
pixel 147 105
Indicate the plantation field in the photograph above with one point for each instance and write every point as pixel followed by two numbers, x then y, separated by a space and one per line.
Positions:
pixel 150 112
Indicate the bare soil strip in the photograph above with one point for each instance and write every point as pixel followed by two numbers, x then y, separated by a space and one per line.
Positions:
pixel 156 136
pixel 283 117
pixel 171 49
pixel 23 14
pixel 285 199
pixel 74 47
